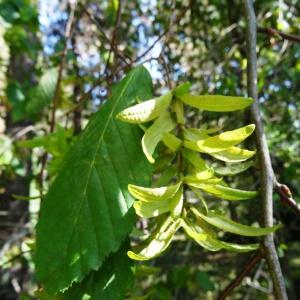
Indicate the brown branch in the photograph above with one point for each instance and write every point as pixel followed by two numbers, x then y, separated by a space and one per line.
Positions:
pixel 99 27
pixel 267 174
pixel 164 33
pixel 113 45
pixel 286 196
pixel 68 32
pixel 276 33
pixel 250 265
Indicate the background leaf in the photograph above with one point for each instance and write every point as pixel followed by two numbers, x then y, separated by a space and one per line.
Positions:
pixel 86 214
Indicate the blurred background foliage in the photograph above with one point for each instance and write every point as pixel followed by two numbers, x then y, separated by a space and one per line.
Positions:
pixel 199 41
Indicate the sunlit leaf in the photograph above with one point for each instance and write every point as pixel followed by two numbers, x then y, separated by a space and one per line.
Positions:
pixel 154 134
pixel 221 141
pixel 233 155
pixel 229 225
pixel 176 203
pixel 222 191
pixel 182 89
pixel 151 209
pixel 216 103
pixel 86 214
pixel 158 242
pixel 195 160
pixel 171 141
pixel 146 111
pixel 153 194
pixel 233 169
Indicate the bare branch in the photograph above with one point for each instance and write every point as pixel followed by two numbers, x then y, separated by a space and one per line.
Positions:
pixel 68 32
pixel 286 196
pixel 164 33
pixel 276 33
pixel 250 265
pixel 263 154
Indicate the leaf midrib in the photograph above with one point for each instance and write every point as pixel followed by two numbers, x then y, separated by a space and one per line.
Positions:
pixel 84 195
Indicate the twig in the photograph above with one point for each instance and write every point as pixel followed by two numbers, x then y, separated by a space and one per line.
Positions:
pixel 250 265
pixel 99 27
pixel 164 33
pixel 113 38
pixel 68 32
pixel 286 196
pixel 277 33
pixel 264 155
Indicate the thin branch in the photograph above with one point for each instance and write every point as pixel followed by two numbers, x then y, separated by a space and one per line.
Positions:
pixel 286 196
pixel 250 265
pixel 164 33
pixel 267 174
pixel 276 33
pixel 68 32
pixel 99 27
pixel 113 45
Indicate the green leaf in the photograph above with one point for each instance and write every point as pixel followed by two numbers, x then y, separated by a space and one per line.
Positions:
pixel 86 214
pixel 197 235
pixel 233 155
pixel 176 203
pixel 171 141
pixel 158 242
pixel 211 242
pixel 153 194
pixel 223 192
pixel 167 175
pixel 109 282
pixel 216 103
pixel 178 108
pixel 147 110
pixel 43 94
pixel 195 160
pixel 154 134
pixel 182 89
pixel 221 141
pixel 151 209
pixel 229 225
pixel 233 169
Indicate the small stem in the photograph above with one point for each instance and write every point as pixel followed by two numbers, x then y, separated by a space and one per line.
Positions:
pixel 250 265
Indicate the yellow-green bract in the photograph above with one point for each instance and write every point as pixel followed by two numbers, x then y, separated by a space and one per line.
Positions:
pixel 216 103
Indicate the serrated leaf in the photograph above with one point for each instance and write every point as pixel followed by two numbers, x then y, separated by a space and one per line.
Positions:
pixel 109 282
pixel 221 191
pixel 153 194
pixel 233 169
pixel 229 225
pixel 221 141
pixel 233 155
pixel 158 242
pixel 154 134
pixel 171 141
pixel 147 110
pixel 182 89
pixel 86 214
pixel 216 103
